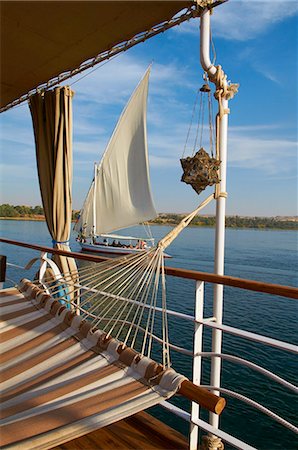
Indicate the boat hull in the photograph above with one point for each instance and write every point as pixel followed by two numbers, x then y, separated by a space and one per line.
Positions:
pixel 110 250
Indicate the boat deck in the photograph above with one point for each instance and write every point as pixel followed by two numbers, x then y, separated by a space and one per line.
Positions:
pixel 138 432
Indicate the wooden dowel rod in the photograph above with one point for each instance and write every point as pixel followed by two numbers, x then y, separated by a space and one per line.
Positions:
pixel 202 396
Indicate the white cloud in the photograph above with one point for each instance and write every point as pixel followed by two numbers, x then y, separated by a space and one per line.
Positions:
pixel 243 19
pixel 112 84
pixel 249 147
pixel 270 156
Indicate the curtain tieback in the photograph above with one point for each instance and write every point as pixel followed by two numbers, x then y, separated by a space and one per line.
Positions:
pixel 54 242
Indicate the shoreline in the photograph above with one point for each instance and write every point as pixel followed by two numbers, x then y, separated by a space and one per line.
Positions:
pixel 285 227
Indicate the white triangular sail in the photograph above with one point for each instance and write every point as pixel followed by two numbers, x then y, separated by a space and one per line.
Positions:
pixel 120 194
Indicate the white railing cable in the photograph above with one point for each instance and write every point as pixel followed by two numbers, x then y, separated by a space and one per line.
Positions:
pixel 15 265
pixel 253 336
pixel 256 405
pixel 236 443
pixel 238 360
pixel 209 322
pixel 255 367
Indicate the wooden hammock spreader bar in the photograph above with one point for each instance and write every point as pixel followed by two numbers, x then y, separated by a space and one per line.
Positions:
pixel 202 396
pixel 241 283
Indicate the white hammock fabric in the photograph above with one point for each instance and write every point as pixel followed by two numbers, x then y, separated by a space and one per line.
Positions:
pixel 61 379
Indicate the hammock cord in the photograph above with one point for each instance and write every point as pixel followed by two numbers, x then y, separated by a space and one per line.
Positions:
pixel 121 296
pixel 124 296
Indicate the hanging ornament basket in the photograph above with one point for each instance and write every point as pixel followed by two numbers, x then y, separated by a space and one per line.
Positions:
pixel 200 170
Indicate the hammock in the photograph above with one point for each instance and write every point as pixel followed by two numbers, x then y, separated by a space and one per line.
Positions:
pixel 58 373
pixel 71 368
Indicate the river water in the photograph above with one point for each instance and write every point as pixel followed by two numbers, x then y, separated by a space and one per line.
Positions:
pixel 264 255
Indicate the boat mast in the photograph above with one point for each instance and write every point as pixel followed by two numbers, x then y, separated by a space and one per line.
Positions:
pixel 94 201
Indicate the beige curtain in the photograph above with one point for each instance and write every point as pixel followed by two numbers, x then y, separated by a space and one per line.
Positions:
pixel 52 122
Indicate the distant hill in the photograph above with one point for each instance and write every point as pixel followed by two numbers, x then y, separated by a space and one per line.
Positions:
pixel 22 212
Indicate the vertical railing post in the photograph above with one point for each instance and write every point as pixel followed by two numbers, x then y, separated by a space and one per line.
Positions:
pixel 219 255
pixel 224 91
pixel 197 361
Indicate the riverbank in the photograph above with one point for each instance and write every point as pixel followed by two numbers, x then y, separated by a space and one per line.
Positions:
pixel 279 222
pixel 261 223
pixel 32 218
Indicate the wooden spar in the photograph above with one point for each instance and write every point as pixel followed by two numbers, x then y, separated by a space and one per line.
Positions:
pixel 202 396
pixel 251 285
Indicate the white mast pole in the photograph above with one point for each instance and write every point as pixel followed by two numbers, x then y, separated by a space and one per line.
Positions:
pixel 220 204
pixel 94 201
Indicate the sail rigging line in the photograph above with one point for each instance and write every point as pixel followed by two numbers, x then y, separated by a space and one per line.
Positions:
pixel 147 229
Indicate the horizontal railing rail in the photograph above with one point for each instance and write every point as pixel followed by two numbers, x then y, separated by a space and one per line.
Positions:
pixel 236 443
pixel 273 289
pixel 257 286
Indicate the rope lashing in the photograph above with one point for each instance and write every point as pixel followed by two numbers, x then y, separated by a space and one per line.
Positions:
pixel 54 242
pixel 224 89
pixel 204 3
pixel 212 443
pixel 219 194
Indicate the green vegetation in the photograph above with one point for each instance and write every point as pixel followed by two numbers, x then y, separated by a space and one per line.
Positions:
pixel 284 223
pixel 25 212
pixel 20 211
pixel 281 223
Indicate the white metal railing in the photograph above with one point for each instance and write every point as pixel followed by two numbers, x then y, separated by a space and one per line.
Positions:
pixel 199 322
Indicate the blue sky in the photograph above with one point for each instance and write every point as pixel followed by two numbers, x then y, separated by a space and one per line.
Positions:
pixel 256 44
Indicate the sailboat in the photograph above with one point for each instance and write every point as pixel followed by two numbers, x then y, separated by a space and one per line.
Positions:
pixel 120 193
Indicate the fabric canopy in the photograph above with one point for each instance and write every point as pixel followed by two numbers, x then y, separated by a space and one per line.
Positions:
pixel 42 39
pixel 52 122
pixel 60 379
